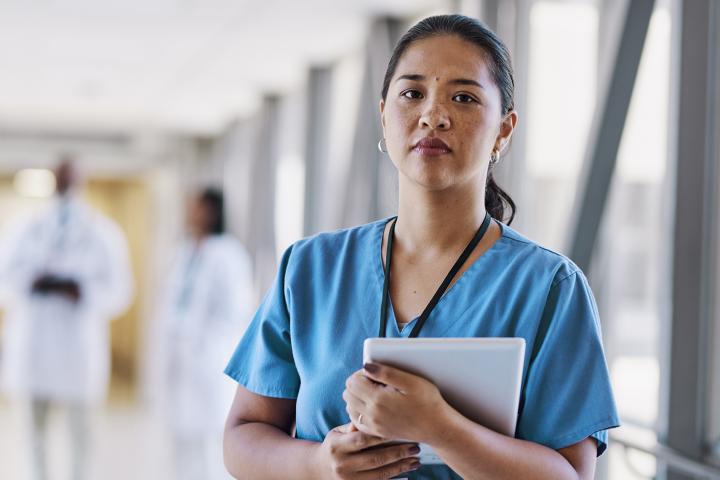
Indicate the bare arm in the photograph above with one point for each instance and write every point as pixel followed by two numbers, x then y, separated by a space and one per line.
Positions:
pixel 476 452
pixel 258 445
pixel 258 433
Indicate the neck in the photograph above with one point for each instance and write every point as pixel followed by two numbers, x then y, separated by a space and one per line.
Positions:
pixel 438 221
pixel 198 235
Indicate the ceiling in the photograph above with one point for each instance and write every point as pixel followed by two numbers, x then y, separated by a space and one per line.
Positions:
pixel 180 65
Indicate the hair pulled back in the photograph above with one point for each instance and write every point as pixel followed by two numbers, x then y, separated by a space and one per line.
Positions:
pixel 474 32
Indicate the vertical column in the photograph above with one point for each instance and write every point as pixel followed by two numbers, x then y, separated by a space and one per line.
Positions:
pixel 694 236
pixel 372 181
pixel 490 14
pixel 316 146
pixel 238 151
pixel 261 235
pixel 713 433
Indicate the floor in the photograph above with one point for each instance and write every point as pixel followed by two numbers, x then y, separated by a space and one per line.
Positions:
pixel 128 442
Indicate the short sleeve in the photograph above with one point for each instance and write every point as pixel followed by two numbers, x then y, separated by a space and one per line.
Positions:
pixel 567 396
pixel 263 360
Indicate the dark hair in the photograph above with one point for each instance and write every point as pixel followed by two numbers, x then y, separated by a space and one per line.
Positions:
pixel 474 32
pixel 213 200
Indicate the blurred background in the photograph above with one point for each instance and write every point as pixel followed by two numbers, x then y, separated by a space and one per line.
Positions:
pixel 614 163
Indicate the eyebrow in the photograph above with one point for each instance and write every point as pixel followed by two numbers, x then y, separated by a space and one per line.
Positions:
pixel 457 81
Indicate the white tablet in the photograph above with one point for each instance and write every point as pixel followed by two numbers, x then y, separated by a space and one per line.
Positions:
pixel 479 377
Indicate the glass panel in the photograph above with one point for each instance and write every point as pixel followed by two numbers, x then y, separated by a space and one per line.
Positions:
pixel 630 274
pixel 561 100
pixel 627 464
pixel 632 271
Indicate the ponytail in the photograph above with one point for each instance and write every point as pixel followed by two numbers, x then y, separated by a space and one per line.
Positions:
pixel 497 200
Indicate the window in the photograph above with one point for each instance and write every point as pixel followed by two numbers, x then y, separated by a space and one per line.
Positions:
pixel 635 264
pixel 561 100
pixel 630 272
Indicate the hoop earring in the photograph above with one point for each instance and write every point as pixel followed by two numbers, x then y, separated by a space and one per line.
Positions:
pixel 494 158
pixel 382 145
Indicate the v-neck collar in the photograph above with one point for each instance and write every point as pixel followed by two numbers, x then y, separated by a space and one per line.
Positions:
pixel 393 329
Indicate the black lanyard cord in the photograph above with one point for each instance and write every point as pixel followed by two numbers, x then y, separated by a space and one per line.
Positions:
pixel 441 289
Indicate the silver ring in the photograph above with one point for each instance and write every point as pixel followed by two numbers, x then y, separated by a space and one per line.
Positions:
pixel 360 419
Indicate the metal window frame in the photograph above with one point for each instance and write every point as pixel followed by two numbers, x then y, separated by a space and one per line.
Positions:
pixel 695 233
pixel 670 457
pixel 714 367
pixel 695 206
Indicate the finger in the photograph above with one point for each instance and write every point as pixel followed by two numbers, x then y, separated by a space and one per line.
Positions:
pixel 363 424
pixel 354 406
pixel 353 399
pixel 362 386
pixel 382 456
pixel 365 428
pixel 392 470
pixel 354 417
pixel 394 377
pixel 355 441
pixel 346 428
pixel 355 409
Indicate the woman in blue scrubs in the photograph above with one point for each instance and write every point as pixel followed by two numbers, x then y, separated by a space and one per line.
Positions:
pixel 446 266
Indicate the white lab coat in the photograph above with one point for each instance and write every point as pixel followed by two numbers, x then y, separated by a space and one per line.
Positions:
pixel 54 348
pixel 206 309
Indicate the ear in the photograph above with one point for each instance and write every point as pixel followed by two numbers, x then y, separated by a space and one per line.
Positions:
pixel 507 127
pixel 382 115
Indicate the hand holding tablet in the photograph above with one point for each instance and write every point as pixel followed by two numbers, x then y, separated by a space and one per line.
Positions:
pixel 479 377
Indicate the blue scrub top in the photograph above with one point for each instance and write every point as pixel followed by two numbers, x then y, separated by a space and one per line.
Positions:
pixel 307 336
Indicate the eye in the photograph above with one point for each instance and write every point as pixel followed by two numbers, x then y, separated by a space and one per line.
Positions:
pixel 464 98
pixel 412 94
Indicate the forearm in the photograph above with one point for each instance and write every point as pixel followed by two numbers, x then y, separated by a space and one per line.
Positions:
pixel 478 453
pixel 262 451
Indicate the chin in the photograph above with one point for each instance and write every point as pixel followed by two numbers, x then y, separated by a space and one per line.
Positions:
pixel 432 174
pixel 433 181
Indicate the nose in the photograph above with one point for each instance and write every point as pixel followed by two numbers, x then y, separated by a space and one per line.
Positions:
pixel 435 117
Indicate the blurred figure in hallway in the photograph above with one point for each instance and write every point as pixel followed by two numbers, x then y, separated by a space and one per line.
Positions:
pixel 64 274
pixel 207 305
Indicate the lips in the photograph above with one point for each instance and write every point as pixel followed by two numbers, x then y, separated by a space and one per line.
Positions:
pixel 431 146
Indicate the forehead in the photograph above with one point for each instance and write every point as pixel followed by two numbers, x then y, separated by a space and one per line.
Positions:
pixel 443 57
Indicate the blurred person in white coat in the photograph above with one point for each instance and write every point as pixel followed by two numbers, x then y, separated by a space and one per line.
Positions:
pixel 207 305
pixel 64 275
